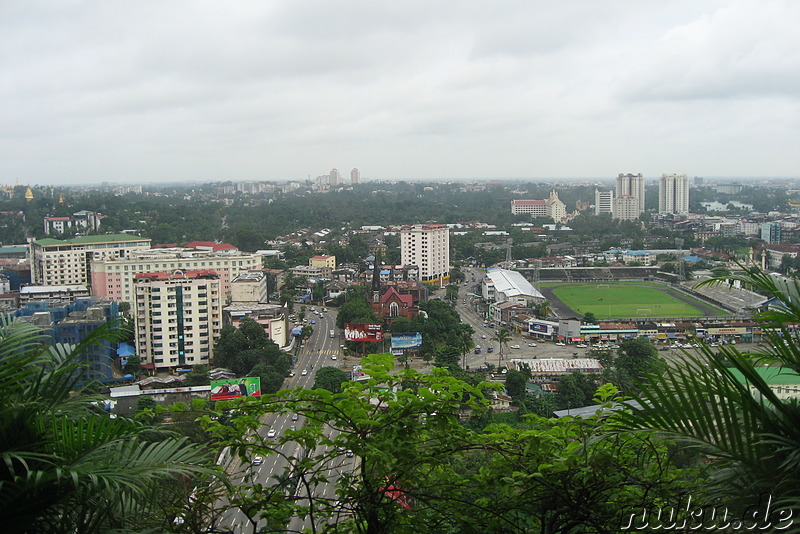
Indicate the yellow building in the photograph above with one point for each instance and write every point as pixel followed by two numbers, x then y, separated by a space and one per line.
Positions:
pixel 327 264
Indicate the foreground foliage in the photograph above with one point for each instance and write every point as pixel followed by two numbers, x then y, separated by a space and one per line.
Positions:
pixel 66 465
pixel 749 432
pixel 417 467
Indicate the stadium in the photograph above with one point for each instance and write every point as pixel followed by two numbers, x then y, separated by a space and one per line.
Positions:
pixel 639 293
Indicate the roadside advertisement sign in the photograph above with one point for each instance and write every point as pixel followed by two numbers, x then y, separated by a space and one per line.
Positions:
pixel 234 388
pixel 406 341
pixel 363 332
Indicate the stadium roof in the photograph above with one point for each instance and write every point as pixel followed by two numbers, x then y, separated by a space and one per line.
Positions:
pixel 512 283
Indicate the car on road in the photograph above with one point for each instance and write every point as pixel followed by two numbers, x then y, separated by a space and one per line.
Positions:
pixel 490 349
pixel 349 453
pixel 531 344
pixel 333 357
pixel 292 428
pixel 258 460
pixel 483 336
pixel 514 346
pixel 272 433
pixel 304 372
pixel 477 350
pixel 581 346
pixel 295 417
pixel 561 344
pixel 313 321
pixel 291 374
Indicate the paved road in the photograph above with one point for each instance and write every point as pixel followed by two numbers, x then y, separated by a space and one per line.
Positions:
pixel 318 351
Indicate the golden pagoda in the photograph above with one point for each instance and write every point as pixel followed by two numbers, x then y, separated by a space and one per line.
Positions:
pixel 28 194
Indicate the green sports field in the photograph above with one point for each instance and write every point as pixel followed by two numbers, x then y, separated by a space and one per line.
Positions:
pixel 614 300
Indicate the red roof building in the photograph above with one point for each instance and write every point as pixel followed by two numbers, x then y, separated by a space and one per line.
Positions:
pixel 392 304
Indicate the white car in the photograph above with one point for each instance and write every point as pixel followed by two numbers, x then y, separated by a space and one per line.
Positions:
pixel 304 373
pixel 483 336
pixel 258 460
pixel 333 357
pixel 531 344
pixel 581 346
pixel 514 346
pixel 561 344
pixel 271 433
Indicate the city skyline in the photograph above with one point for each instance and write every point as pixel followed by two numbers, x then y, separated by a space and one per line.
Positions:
pixel 195 91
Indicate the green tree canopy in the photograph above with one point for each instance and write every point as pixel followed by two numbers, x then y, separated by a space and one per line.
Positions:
pixel 636 358
pixel 330 378
pixel 198 376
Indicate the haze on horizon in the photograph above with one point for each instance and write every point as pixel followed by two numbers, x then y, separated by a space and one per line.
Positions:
pixel 198 91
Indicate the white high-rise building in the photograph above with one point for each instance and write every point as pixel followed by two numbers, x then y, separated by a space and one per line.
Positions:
pixel 178 317
pixel 428 247
pixel 603 202
pixel 673 193
pixel 335 177
pixel 632 185
pixel 355 176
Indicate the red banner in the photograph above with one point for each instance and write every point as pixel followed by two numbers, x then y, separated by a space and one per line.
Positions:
pixel 363 332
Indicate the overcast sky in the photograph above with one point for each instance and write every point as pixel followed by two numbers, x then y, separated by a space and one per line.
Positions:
pixel 142 91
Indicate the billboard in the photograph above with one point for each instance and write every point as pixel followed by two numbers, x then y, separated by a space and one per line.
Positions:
pixel 234 388
pixel 406 341
pixel 363 332
pixel 535 327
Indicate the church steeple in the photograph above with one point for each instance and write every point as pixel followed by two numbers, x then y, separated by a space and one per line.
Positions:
pixel 376 278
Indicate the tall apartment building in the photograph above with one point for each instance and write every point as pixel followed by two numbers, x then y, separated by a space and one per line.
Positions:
pixel 632 185
pixel 673 193
pixel 627 208
pixel 114 278
pixel 355 176
pixel 551 208
pixel 335 178
pixel 55 262
pixel 178 317
pixel 603 202
pixel 428 247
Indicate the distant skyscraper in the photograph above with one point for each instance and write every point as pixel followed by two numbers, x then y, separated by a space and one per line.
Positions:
pixel 355 176
pixel 673 193
pixel 632 185
pixel 335 178
pixel 603 202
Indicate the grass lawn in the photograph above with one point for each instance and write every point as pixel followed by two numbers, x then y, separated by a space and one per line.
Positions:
pixel 608 301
